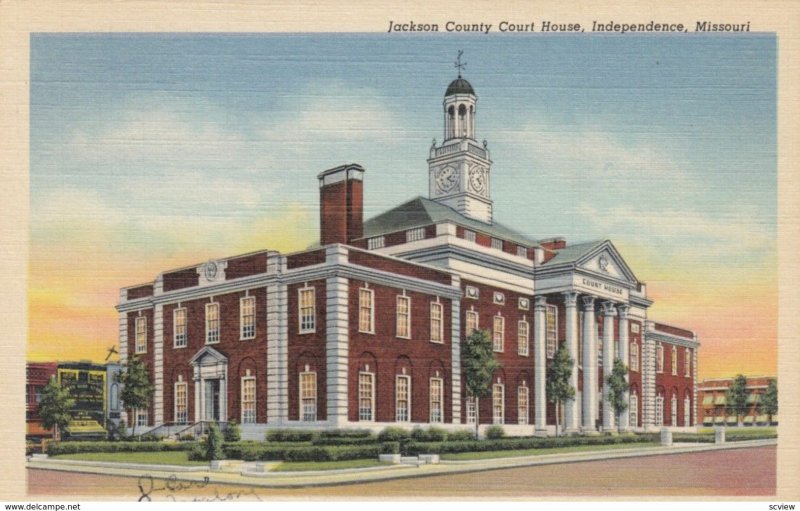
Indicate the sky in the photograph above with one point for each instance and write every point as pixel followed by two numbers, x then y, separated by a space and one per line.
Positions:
pixel 156 151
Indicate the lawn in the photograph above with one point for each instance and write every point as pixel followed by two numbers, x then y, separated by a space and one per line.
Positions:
pixel 301 466
pixel 744 431
pixel 151 458
pixel 538 452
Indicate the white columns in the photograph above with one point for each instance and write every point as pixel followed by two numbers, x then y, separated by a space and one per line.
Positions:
pixel 608 362
pixel 277 344
pixel 624 418
pixel 589 399
pixel 571 412
pixel 158 362
pixel 540 368
pixel 337 339
pixel 455 342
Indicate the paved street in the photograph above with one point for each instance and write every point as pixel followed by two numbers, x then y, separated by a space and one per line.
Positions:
pixel 736 472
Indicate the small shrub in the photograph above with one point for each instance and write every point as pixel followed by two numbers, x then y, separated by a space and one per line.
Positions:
pixel 462 435
pixel 432 434
pixel 148 438
pixel 344 441
pixel 186 437
pixel 345 433
pixel 390 448
pixel 394 434
pixel 197 453
pixel 495 432
pixel 232 432
pixel 212 445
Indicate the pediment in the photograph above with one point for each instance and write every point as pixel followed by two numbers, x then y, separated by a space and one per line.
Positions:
pixel 208 356
pixel 605 260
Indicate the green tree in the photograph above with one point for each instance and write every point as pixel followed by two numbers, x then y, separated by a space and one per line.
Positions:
pixel 212 445
pixel 736 398
pixel 558 388
pixel 55 406
pixel 232 431
pixel 137 390
pixel 480 364
pixel 617 388
pixel 769 401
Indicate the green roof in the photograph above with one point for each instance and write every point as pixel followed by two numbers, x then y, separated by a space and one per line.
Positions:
pixel 420 212
pixel 573 253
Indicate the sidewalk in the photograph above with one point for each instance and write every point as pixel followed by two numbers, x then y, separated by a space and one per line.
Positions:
pixel 244 473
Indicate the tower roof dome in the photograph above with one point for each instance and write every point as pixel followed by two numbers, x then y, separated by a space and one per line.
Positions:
pixel 459 86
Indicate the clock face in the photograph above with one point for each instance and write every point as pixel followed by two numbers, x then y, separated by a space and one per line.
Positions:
pixel 446 179
pixel 477 179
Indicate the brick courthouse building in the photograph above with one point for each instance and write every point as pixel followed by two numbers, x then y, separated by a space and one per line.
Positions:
pixel 366 330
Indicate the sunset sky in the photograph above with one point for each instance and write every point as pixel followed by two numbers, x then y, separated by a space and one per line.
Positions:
pixel 150 152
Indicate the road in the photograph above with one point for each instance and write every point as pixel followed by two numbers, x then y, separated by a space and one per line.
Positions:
pixel 734 472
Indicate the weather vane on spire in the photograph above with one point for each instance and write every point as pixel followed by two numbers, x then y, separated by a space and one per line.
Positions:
pixel 458 64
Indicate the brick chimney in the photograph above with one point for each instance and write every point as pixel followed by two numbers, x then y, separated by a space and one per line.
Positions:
pixel 341 204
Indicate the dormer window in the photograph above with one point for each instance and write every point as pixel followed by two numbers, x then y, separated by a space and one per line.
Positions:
pixel 498 244
pixel 415 234
pixel 376 242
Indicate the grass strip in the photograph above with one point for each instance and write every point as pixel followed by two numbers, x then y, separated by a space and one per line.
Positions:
pixel 304 466
pixel 150 458
pixel 484 455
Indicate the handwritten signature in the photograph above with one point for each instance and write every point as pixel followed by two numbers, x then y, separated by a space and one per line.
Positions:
pixel 148 485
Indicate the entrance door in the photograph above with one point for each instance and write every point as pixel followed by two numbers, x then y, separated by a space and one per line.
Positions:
pixel 212 400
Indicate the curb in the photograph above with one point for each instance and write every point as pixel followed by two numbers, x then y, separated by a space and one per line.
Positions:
pixel 350 476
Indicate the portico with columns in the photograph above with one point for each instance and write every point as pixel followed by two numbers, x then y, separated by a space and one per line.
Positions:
pixel 600 298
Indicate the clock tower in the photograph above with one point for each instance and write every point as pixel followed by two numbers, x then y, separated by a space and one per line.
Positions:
pixel 459 167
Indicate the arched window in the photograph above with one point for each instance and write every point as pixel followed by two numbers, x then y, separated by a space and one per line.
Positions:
pixel 687 410
pixel 673 405
pixel 634 409
pixel 660 410
pixel 462 120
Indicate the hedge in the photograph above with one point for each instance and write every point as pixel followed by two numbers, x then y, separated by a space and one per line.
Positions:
pixel 56 448
pixel 345 441
pixel 346 433
pixel 267 452
pixel 290 435
pixel 503 444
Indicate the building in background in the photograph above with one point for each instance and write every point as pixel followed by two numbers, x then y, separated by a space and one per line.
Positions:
pixel 38 375
pixel 713 407
pixel 365 331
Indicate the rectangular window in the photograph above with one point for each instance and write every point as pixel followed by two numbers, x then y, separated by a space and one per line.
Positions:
pixel 498 403
pixel 634 354
pixel 376 242
pixel 141 335
pixel 472 414
pixel 674 361
pixel 141 416
pixel 248 400
pixel 181 415
pixel 498 244
pixel 366 311
pixel 415 234
pixel 687 362
pixel 522 338
pixel 498 332
pixel 687 411
pixel 402 407
pixel 472 322
pixel 179 328
pixel 634 409
pixel 659 358
pixel 366 396
pixel 551 318
pixel 673 411
pixel 437 400
pixel 522 405
pixel 437 325
pixel 308 309
pixel 308 396
pixel 247 317
pixel 404 317
pixel 469 235
pixel 522 251
pixel 212 323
